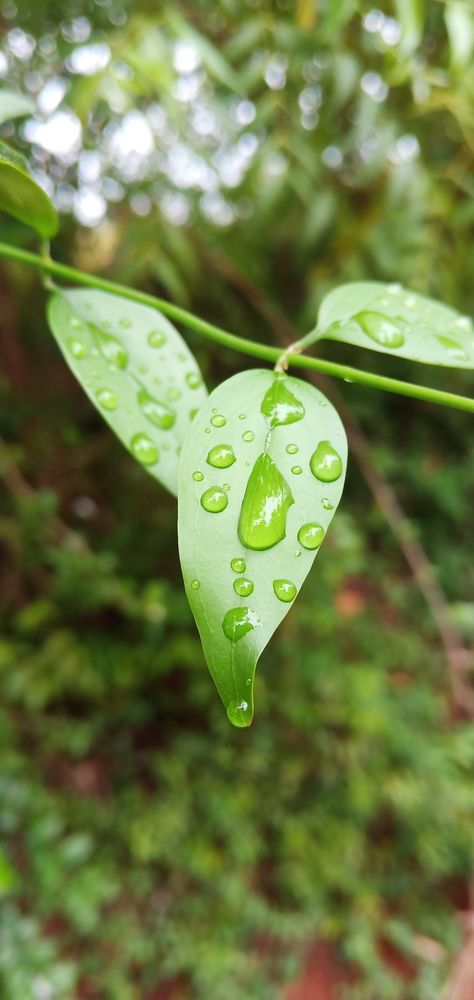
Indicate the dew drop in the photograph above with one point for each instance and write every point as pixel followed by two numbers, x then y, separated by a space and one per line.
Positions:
pixel 156 338
pixel 297 470
pixel 280 406
pixel 125 323
pixel 107 399
pixel 248 436
pixel 157 413
pixel 193 380
pixel 267 498
pixel 221 457
pixel 214 500
pixel 238 565
pixel 326 503
pixel 218 420
pixel 112 349
pixel 144 450
pixel 311 535
pixel 195 584
pixel 285 590
pixel 207 430
pixel 464 323
pixel 173 394
pixel 409 302
pixel 238 621
pixel 292 449
pixel 243 587
pixel 326 463
pixel 383 331
pixel 298 553
pixel 226 486
pixel 198 476
pixel 394 288
pixel 239 713
pixel 76 323
pixel 242 416
pixel 78 349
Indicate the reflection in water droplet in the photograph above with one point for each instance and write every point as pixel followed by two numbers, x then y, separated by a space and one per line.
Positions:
pixel 292 449
pixel 198 476
pixel 243 587
pixel 383 331
pixel 157 413
pixel 239 713
pixel 144 450
pixel 78 349
pixel 107 399
pixel 297 470
pixel 112 349
pixel 195 584
pixel 214 500
pixel 279 405
pixel 248 436
pixel 238 621
pixel 285 590
pixel 193 380
pixel 265 505
pixel 326 463
pixel 218 420
pixel 238 565
pixel 156 338
pixel 311 535
pixel 326 503
pixel 221 457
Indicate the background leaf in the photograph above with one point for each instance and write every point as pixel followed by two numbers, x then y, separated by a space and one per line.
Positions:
pixel 136 369
pixel 252 515
pixel 22 197
pixel 394 320
pixel 14 105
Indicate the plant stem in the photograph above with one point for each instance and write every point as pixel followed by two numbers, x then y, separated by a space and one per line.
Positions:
pixel 231 340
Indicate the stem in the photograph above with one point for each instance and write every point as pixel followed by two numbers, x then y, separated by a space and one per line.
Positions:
pixel 231 340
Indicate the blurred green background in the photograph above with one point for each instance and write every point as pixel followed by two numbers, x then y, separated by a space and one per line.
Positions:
pixel 240 157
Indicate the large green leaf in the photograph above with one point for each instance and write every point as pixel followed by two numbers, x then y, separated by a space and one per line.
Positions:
pixel 136 369
pixel 394 320
pixel 22 197
pixel 14 105
pixel 261 474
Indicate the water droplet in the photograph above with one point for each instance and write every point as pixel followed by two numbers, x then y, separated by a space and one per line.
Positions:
pixel 311 535
pixel 383 331
pixel 238 565
pixel 409 302
pixel 156 338
pixel 144 450
pixel 292 449
pixel 221 457
pixel 242 416
pixel 198 476
pixel 243 587
pixel 239 713
pixel 125 323
pixel 280 406
pixel 226 486
pixel 248 436
pixel 173 394
pixel 157 413
pixel 285 590
pixel 464 323
pixel 265 505
pixel 298 553
pixel 453 348
pixel 107 399
pixel 207 430
pixel 394 288
pixel 238 621
pixel 195 584
pixel 323 402
pixel 326 503
pixel 76 323
pixel 214 500
pixel 112 349
pixel 78 349
pixel 193 380
pixel 218 420
pixel 297 470
pixel 326 463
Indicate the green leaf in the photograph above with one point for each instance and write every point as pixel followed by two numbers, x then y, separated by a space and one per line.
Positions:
pixel 14 105
pixel 261 474
pixel 136 369
pixel 22 197
pixel 394 320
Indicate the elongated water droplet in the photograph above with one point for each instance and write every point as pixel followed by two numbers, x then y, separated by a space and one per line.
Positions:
pixel 239 713
pixel 144 450
pixel 280 406
pixel 156 338
pixel 221 457
pixel 198 476
pixel 218 420
pixel 326 463
pixel 243 587
pixel 311 535
pixel 265 505
pixel 248 436
pixel 285 590
pixel 107 399
pixel 111 348
pixel 238 565
pixel 380 329
pixel 193 380
pixel 214 500
pixel 292 449
pixel 157 413
pixel 78 349
pixel 238 621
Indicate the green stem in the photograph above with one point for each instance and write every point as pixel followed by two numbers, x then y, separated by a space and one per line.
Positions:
pixel 227 339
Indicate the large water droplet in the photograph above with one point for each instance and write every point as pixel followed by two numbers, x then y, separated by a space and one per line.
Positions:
pixel 380 329
pixel 280 406
pixel 193 380
pixel 238 621
pixel 265 505
pixel 221 457
pixel 238 565
pixel 214 500
pixel 107 399
pixel 156 338
pixel 326 463
pixel 285 590
pixel 112 349
pixel 144 450
pixel 239 713
pixel 243 587
pixel 78 349
pixel 218 420
pixel 311 535
pixel 157 413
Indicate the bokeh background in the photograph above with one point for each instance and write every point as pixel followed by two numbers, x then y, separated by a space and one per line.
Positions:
pixel 240 157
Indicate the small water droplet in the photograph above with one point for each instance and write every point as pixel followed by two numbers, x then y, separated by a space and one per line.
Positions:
pixel 78 349
pixel 214 500
pixel 292 449
pixel 125 323
pixel 323 402
pixel 383 331
pixel 311 535
pixel 107 399
pixel 226 486
pixel 394 288
pixel 221 456
pixel 326 463
pixel 243 587
pixel 298 553
pixel 157 413
pixel 207 430
pixel 242 416
pixel 112 349
pixel 297 470
pixel 285 590
pixel 195 584
pixel 193 380
pixel 326 503
pixel 198 476
pixel 409 302
pixel 279 405
pixel 218 420
pixel 76 323
pixel 144 450
pixel 156 338
pixel 238 565
pixel 464 323
pixel 248 436
pixel 238 621
pixel 173 394
pixel 239 713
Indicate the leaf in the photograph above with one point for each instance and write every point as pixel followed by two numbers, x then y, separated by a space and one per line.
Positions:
pixel 22 197
pixel 394 320
pixel 261 474
pixel 14 105
pixel 136 369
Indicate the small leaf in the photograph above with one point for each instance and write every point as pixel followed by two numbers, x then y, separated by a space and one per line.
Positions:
pixel 249 530
pixel 14 105
pixel 394 320
pixel 22 197
pixel 136 369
